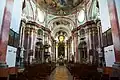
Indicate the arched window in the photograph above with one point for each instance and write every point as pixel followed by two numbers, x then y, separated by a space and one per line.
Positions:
pixel 40 15
pixel 81 16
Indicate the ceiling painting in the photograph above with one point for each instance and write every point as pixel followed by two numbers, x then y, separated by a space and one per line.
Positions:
pixel 59 7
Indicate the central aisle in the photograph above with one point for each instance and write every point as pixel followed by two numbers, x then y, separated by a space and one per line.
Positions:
pixel 61 73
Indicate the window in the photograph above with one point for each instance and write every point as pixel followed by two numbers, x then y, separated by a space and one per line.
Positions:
pixel 16 40
pixel 104 39
pixel 13 39
pixel 81 16
pixel 40 15
pixel 109 37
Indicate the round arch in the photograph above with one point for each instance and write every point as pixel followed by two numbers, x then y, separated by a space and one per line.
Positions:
pixel 61 27
pixel 72 24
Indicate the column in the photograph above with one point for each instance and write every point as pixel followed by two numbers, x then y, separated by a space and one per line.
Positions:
pixel 100 53
pixel 31 44
pixel 95 45
pixel 4 35
pixel 4 31
pixel 68 50
pixel 22 30
pixel 88 43
pixel 77 56
pixel 26 43
pixel 49 42
pixel 68 53
pixel 91 46
pixel 72 47
pixel 115 29
pixel 76 46
pixel 56 51
pixel 65 50
pixel 34 41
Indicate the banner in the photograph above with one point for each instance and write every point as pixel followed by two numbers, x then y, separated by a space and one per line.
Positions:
pixel 11 56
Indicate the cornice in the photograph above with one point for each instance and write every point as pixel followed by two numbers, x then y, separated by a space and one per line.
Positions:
pixel 83 25
pixel 38 26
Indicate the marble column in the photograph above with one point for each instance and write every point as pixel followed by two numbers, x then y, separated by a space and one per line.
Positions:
pixel 92 47
pixel 26 43
pixel 56 51
pixel 72 47
pixel 65 51
pixel 114 19
pixel 77 56
pixel 100 45
pixel 69 50
pixel 95 43
pixel 34 41
pixel 4 36
pixel 76 47
pixel 31 44
pixel 21 44
pixel 115 27
pixel 88 43
pixel 53 51
pixel 4 31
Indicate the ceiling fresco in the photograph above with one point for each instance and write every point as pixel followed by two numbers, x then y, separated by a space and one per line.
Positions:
pixel 59 7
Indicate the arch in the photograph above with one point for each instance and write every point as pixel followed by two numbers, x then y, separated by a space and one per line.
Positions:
pixel 50 23
pixel 61 27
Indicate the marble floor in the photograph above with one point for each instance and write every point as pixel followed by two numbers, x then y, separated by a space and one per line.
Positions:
pixel 61 73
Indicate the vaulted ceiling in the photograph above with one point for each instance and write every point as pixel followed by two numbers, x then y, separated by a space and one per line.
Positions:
pixel 57 15
pixel 61 7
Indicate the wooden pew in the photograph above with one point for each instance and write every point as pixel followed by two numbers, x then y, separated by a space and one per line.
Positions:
pixel 37 72
pixel 84 71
